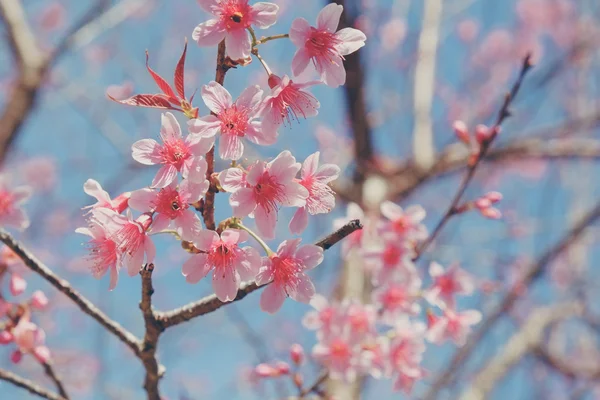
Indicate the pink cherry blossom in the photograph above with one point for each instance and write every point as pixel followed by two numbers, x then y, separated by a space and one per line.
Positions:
pixel 404 223
pixel 131 237
pixel 233 121
pixel 397 298
pixel 11 213
pixel 30 339
pixel 286 272
pixel 233 18
pixel 94 189
pixel 229 262
pixel 269 185
pixel 172 205
pixel 359 317
pixel 176 154
pixel 324 46
pixel 321 198
pixel 452 325
pixel 39 300
pixel 324 315
pixel 447 284
pixel 288 101
pixel 297 354
pixel 103 252
pixel 391 260
pixel 17 284
pixel 341 352
pixel 406 353
pixel 355 239
pixel 43 182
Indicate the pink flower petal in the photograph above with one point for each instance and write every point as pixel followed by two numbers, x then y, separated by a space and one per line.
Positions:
pixel 195 268
pixel 142 200
pixel 333 73
pixel 299 32
pixel 299 221
pixel 310 255
pixel 231 147
pixel 170 129
pixel 209 33
pixel 329 17
pixel 300 61
pixel 165 175
pixel 146 151
pixel 264 15
pixel 207 126
pixel 216 97
pixel 265 221
pixel 250 98
pixel 187 224
pixel 261 134
pixel 17 284
pixel 242 202
pixel 204 239
pixel 352 40
pixel 238 44
pixel 272 299
pixel 94 189
pixel 284 167
pixel 225 284
pixel 232 179
pixel 304 291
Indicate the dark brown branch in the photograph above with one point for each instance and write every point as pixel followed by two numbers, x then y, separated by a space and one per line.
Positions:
pixel 534 272
pixel 49 371
pixel 154 371
pixel 211 303
pixel 318 382
pixel 64 287
pixel 502 115
pixel 28 385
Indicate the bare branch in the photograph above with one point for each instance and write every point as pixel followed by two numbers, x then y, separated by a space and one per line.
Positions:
pixel 49 371
pixel 28 385
pixel 64 287
pixel 534 272
pixel 211 303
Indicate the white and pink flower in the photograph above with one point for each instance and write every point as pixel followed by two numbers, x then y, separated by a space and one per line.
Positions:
pixel 452 326
pixel 286 271
pixel 94 189
pixel 176 154
pixel 30 339
pixel 406 354
pixel 234 121
pixel 103 252
pixel 11 213
pixel 321 198
pixel 356 239
pixel 447 284
pixel 232 19
pixel 397 298
pixel 404 223
pixel 392 260
pixel 324 46
pixel 221 254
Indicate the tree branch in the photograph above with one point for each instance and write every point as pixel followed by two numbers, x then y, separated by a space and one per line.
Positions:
pixel 534 272
pixel 28 385
pixel 64 287
pixel 49 370
pixel 211 303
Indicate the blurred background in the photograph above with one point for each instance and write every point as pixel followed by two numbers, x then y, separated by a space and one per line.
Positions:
pixel 426 64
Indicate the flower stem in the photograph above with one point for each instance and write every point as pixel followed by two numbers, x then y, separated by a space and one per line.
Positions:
pixel 269 38
pixel 239 225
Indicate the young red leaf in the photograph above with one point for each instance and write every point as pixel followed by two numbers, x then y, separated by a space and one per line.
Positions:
pixel 179 73
pixel 162 84
pixel 147 100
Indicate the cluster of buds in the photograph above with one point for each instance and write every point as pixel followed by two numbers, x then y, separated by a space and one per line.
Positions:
pixel 484 204
pixel 481 139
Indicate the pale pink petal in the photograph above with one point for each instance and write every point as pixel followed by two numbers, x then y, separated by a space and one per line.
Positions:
pixel 203 240
pixel 232 179
pixel 260 134
pixel 134 262
pixel 165 176
pixel 42 353
pixel 225 284
pixel 265 221
pixel 202 146
pixel 230 236
pixel 304 291
pixel 114 277
pixel 242 202
pixel 21 194
pixel 231 147
pixel 238 44
pixel 256 171
pixel 209 5
pixel 170 129
pixel 160 223
pixel 150 250
pixel 207 126
pixel 209 33
pixel 249 265
pixel 300 61
pixel 263 15
pixel 435 269
pixel 470 317
pixel 265 273
pixel 94 189
pixel 195 268
pixel 284 167
pixel 329 17
pixel 250 98
pixel 196 171
pixel 17 218
pixel 351 40
pixel 295 195
pixel 299 32
pixel 327 173
pixel 333 73
pixel 216 97
pixel 416 212
pixel 192 191
pixel 310 255
pixel 17 284
pixel 287 248
pixel 272 299
pixel 146 151
pixel 142 200
pixel 187 224
pixel 299 221
pixel 390 210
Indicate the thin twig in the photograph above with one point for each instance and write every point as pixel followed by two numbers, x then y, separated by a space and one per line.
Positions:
pixel 28 385
pixel 49 371
pixel 534 272
pixel 211 303
pixel 64 287
pixel 502 115
pixel 318 382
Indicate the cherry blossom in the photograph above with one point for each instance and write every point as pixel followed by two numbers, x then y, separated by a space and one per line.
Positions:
pixel 341 352
pixel 406 353
pixel 94 189
pixel 390 260
pixel 233 18
pixel 39 300
pixel 397 298
pixel 172 205
pixel 176 154
pixel 324 46
pixel 447 284
pixel 17 284
pixel 404 223
pixel 321 198
pixel 29 339
pixel 11 213
pixel 268 186
pixel 323 316
pixel 286 272
pixel 355 239
pixel 229 262
pixel 288 101
pixel 451 325
pixel 233 120
pixel 103 252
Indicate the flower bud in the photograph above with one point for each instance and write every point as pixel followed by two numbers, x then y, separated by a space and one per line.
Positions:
pixel 6 337
pixel 17 284
pixel 297 354
pixel 461 131
pixel 16 356
pixel 282 368
pixel 482 133
pixel 483 203
pixel 493 197
pixel 39 300
pixel 491 213
pixel 121 202
pixel 265 371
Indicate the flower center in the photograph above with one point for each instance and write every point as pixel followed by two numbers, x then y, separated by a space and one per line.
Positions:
pixel 446 284
pixel 321 45
pixel 6 202
pixel 287 271
pixel 169 202
pixel 391 256
pixel 174 152
pixel 130 237
pixel 394 297
pixel 103 254
pixel 234 121
pixel 234 14
pixel 293 102
pixel 222 255
pixel 339 349
pixel 268 192
pixel 317 195
pixel 401 225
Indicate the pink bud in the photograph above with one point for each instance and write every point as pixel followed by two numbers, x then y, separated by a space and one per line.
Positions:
pixel 491 213
pixel 297 354
pixel 461 131
pixel 16 356
pixel 298 380
pixel 17 284
pixel 39 300
pixel 483 203
pixel 121 202
pixel 6 337
pixel 431 318
pixel 42 353
pixel 265 370
pixel 282 368
pixel 273 81
pixel 493 197
pixel 482 133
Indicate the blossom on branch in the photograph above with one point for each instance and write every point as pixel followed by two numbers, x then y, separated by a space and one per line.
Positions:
pixel 11 213
pixel 447 284
pixel 94 189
